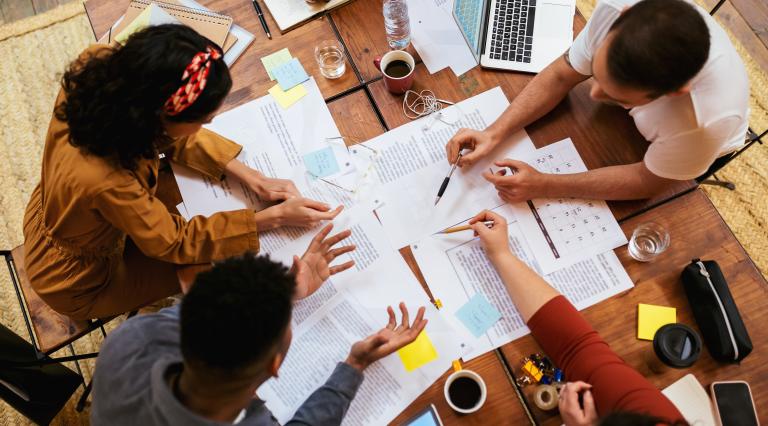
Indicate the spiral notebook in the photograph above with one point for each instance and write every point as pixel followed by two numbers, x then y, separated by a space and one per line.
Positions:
pixel 213 26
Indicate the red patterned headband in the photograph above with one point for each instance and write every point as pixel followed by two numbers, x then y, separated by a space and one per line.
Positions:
pixel 195 75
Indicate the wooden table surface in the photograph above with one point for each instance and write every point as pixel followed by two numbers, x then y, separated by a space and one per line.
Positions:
pixel 696 231
pixel 603 135
pixel 250 79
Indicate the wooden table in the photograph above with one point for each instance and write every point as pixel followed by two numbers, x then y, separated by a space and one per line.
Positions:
pixel 697 232
pixel 603 135
pixel 250 79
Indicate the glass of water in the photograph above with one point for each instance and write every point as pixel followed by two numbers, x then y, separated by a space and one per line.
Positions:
pixel 648 241
pixel 329 55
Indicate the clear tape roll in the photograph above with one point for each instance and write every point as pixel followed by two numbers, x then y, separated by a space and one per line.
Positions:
pixel 545 397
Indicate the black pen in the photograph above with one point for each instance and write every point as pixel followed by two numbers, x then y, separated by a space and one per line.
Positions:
pixel 261 18
pixel 446 180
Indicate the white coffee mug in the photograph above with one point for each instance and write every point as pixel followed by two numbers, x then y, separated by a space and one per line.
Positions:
pixel 474 377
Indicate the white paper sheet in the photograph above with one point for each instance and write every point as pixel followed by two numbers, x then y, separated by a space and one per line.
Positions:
pixel 437 38
pixel 274 140
pixel 564 231
pixel 455 267
pixel 348 308
pixel 411 165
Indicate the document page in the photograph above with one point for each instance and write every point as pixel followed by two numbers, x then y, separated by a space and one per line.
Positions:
pixel 564 231
pixel 410 166
pixel 347 308
pixel 456 268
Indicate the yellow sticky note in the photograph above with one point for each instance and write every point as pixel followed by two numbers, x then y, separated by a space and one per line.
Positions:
pixel 420 352
pixel 288 97
pixel 651 317
pixel 138 24
pixel 274 60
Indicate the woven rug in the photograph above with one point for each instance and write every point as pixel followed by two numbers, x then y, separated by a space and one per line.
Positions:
pixel 36 51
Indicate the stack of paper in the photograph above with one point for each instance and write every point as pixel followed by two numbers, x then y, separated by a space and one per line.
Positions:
pixel 220 29
pixel 437 38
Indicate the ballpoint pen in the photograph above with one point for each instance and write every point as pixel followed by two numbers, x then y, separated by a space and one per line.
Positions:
pixel 447 178
pixel 488 223
pixel 261 18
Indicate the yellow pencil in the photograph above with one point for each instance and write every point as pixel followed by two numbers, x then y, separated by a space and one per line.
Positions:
pixel 488 223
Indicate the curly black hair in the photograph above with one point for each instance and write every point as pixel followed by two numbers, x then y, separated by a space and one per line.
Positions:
pixel 114 99
pixel 235 313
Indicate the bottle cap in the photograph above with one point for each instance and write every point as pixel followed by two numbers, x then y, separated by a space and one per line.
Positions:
pixel 677 345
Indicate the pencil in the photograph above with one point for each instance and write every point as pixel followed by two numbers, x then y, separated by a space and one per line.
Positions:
pixel 488 223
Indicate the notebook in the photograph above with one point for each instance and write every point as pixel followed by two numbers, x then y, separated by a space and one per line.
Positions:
pixel 210 25
pixel 692 400
pixel 290 13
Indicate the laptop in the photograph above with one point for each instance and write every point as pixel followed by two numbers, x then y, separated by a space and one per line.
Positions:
pixel 517 35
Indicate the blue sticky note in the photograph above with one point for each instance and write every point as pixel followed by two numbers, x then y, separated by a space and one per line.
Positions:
pixel 290 74
pixel 478 315
pixel 321 163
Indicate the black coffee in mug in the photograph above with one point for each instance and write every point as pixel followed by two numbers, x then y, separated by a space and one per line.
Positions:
pixel 464 393
pixel 397 69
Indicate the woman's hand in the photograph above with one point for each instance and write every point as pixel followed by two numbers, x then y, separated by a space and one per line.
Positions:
pixel 267 188
pixel 298 211
pixel 495 239
pixel 312 269
pixel 572 413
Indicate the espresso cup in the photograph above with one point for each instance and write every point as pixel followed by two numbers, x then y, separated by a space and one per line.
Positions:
pixel 465 391
pixel 402 81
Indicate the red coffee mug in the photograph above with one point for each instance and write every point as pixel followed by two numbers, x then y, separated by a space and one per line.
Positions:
pixel 396 85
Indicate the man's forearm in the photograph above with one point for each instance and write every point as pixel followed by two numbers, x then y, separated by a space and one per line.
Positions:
pixel 625 182
pixel 539 97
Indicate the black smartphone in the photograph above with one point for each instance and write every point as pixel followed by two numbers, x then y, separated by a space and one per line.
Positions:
pixel 426 417
pixel 734 404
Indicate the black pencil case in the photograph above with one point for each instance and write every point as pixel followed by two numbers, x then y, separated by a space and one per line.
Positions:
pixel 716 313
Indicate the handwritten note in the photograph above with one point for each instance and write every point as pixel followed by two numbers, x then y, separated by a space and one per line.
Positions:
pixel 418 353
pixel 274 60
pixel 289 97
pixel 650 318
pixel 478 315
pixel 321 163
pixel 290 74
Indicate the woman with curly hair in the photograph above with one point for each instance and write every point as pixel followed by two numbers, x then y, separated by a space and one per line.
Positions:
pixel 98 242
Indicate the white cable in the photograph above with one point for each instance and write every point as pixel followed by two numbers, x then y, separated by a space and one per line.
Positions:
pixel 422 104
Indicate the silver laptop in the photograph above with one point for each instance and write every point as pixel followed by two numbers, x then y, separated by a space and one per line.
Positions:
pixel 518 35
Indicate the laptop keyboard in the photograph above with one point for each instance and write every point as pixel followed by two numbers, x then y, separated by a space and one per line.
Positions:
pixel 512 36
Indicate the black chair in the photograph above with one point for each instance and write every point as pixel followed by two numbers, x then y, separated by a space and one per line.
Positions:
pixel 48 330
pixel 710 177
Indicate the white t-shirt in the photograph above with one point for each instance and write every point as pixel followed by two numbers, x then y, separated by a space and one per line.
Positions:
pixel 688 132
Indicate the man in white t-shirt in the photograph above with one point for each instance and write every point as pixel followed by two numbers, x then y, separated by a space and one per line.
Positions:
pixel 669 63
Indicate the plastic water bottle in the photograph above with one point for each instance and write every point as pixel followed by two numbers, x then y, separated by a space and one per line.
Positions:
pixel 396 24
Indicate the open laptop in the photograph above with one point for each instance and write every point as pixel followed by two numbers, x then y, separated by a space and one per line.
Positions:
pixel 517 35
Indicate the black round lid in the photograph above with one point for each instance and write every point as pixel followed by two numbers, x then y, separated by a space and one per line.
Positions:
pixel 677 345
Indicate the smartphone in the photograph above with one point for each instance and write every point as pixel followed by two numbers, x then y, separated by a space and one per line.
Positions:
pixel 734 404
pixel 425 417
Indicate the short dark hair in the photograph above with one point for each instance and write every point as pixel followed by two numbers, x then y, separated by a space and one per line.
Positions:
pixel 114 98
pixel 658 45
pixel 235 313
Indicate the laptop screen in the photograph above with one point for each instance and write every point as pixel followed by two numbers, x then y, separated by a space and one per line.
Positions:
pixel 469 15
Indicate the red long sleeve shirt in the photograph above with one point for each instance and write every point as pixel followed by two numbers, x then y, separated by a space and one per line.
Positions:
pixel 575 347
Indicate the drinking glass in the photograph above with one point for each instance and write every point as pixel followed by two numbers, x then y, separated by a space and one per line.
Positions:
pixel 329 55
pixel 648 241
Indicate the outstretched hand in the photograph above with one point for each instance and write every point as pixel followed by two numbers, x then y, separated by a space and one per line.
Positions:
pixel 313 269
pixel 388 339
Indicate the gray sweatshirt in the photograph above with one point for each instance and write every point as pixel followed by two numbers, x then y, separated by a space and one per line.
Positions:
pixel 130 386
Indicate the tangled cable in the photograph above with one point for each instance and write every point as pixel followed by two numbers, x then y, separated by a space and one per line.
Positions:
pixel 425 103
